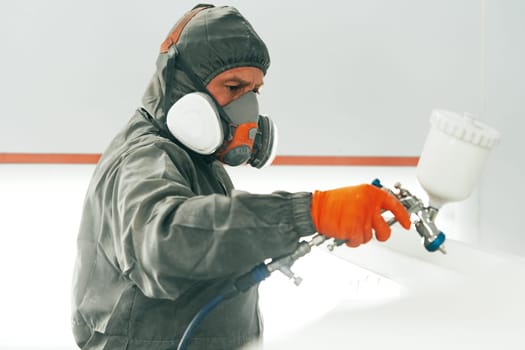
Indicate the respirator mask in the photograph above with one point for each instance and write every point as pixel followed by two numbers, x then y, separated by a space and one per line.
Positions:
pixel 235 134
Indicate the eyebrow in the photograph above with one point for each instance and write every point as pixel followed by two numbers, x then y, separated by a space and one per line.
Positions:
pixel 242 82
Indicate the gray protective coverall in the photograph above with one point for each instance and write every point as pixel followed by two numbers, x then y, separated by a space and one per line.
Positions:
pixel 163 230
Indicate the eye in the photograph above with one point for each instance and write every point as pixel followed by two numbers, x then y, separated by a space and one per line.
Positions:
pixel 233 88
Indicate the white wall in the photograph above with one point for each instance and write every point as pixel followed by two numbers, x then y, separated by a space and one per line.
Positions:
pixel 371 71
pixel 502 190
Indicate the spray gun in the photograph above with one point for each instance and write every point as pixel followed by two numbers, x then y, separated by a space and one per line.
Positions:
pixel 453 156
pixel 433 239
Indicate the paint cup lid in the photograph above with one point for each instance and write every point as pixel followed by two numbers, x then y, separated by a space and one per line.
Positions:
pixel 465 127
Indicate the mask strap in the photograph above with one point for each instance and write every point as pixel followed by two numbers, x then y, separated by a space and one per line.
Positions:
pixel 175 34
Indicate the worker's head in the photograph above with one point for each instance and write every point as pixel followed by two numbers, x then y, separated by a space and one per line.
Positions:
pixel 211 59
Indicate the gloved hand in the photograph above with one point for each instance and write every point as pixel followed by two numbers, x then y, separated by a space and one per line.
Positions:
pixel 350 213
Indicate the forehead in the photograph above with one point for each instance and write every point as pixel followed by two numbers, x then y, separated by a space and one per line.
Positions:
pixel 249 75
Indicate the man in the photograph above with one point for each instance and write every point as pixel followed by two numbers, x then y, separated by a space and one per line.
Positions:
pixel 163 231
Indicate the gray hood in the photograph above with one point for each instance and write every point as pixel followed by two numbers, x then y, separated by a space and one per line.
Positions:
pixel 215 40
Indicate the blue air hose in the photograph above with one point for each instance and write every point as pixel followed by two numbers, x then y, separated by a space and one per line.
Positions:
pixel 196 321
pixel 241 284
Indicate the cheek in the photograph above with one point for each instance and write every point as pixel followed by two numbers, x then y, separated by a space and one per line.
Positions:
pixel 222 96
pixel 223 100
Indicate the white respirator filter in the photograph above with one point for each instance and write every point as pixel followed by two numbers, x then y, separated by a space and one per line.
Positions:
pixel 195 122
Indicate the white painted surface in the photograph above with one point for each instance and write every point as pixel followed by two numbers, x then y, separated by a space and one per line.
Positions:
pixel 469 299
pixel 40 208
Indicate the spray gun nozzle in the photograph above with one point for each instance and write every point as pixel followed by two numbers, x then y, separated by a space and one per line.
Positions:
pixel 436 243
pixel 433 238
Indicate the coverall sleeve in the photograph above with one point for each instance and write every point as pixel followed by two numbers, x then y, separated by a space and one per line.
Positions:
pixel 167 232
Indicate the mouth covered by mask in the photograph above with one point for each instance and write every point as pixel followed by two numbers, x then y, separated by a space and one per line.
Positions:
pixel 235 133
pixel 200 46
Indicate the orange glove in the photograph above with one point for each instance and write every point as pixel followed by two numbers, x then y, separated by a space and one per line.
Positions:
pixel 350 213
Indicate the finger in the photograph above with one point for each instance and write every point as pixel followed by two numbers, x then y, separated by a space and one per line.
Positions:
pixel 352 244
pixel 391 203
pixel 354 240
pixel 382 229
pixel 367 234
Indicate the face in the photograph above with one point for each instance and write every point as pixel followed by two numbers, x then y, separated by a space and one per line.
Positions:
pixel 233 83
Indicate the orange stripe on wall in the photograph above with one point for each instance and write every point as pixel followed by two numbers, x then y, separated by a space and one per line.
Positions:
pixel 48 158
pixel 67 158
pixel 345 160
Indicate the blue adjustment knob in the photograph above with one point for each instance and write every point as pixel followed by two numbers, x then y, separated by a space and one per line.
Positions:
pixel 377 183
pixel 436 243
